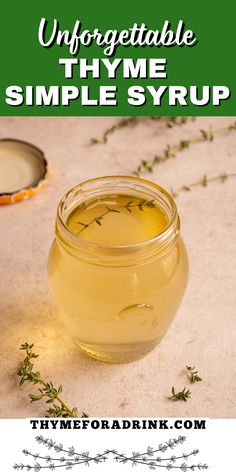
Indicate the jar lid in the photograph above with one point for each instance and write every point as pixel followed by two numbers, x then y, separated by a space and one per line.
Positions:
pixel 23 170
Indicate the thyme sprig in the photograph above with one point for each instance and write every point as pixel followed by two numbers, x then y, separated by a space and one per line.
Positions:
pixel 131 204
pixel 194 377
pixel 182 395
pixel 203 182
pixel 185 394
pixel 46 390
pixel 170 122
pixel 171 151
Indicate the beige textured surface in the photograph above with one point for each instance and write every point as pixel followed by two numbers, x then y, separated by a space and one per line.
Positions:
pixel 204 332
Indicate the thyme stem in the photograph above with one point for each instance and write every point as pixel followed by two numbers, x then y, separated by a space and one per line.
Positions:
pixel 170 151
pixel 202 182
pixel 120 124
pixel 170 122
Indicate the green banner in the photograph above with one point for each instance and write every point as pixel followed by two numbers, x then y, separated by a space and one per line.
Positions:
pixel 117 58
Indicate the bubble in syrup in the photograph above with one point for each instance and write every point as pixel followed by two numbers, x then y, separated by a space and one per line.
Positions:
pixel 143 313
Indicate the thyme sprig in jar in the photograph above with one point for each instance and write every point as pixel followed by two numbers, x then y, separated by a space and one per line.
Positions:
pixel 118 267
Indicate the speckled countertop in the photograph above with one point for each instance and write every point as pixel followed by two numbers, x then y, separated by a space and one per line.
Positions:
pixel 204 331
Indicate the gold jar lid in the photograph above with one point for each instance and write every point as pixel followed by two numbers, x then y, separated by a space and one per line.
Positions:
pixel 23 170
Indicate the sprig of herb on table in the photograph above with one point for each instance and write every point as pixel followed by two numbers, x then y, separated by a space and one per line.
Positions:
pixel 170 122
pixel 185 394
pixel 171 151
pixel 182 395
pixel 202 183
pixel 45 389
pixel 194 377
pixel 120 124
pixel 98 219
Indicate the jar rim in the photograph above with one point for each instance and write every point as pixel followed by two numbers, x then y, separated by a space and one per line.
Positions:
pixel 69 237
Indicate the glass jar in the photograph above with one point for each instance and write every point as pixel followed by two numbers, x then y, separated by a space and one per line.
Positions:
pixel 117 300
